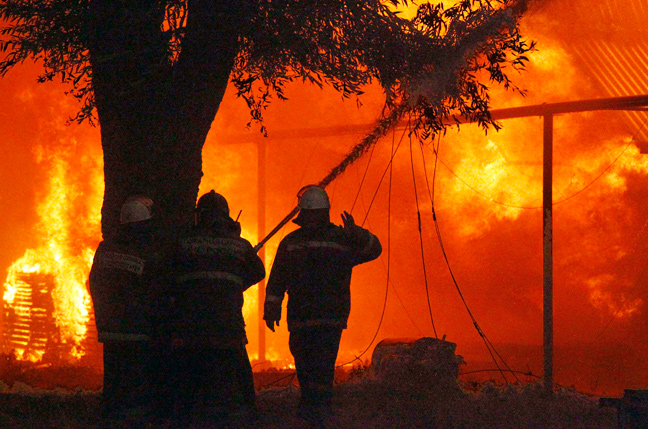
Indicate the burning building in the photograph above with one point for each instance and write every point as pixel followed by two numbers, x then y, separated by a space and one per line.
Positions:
pixel 487 202
pixel 29 324
pixel 47 311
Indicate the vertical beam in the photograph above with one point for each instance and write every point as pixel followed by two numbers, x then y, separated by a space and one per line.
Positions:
pixel 547 246
pixel 261 217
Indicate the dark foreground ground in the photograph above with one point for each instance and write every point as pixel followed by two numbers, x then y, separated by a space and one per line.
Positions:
pixel 363 403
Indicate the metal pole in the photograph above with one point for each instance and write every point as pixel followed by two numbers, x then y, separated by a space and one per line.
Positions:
pixel 547 246
pixel 261 204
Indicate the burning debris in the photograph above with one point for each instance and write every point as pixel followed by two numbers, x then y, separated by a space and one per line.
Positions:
pixel 487 189
pixel 29 325
pixel 47 312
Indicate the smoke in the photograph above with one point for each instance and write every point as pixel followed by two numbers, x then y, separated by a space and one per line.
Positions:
pixel 488 190
pixel 488 198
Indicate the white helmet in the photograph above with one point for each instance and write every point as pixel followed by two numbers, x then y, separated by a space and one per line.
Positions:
pixel 136 209
pixel 313 197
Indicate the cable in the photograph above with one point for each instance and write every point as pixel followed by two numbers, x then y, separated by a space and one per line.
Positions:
pixel 527 373
pixel 391 283
pixel 285 220
pixel 632 140
pixel 363 178
pixel 393 286
pixel 555 202
pixel 409 316
pixel 382 315
pixel 418 213
pixel 489 346
pixel 291 376
pixel 486 340
pixel 623 304
pixel 308 161
pixel 436 159
pixel 381 179
pixel 484 195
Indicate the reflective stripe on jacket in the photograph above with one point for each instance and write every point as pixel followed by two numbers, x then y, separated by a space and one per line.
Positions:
pixel 121 282
pixel 313 266
pixel 213 267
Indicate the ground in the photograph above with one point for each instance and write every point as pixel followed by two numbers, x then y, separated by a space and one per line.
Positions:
pixel 361 403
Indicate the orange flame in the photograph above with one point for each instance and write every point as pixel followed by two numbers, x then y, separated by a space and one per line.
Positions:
pixel 485 188
pixel 69 215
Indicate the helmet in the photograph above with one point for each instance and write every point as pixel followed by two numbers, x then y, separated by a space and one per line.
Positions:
pixel 214 203
pixel 137 208
pixel 313 197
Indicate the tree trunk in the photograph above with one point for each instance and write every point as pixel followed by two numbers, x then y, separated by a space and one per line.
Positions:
pixel 155 114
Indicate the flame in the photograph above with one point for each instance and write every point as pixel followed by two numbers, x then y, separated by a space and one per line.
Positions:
pixel 487 201
pixel 602 299
pixel 68 223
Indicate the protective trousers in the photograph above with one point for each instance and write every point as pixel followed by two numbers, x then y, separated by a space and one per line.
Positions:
pixel 245 377
pixel 211 383
pixel 127 375
pixel 315 351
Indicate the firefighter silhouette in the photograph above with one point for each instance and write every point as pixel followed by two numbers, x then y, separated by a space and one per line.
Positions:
pixel 313 265
pixel 121 283
pixel 214 265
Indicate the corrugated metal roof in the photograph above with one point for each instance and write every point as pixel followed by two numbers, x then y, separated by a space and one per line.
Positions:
pixel 617 62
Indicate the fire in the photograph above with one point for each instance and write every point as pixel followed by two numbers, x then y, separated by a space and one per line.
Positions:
pixel 487 171
pixel 68 231
pixel 501 181
pixel 487 201
pixel 604 300
pixel 58 268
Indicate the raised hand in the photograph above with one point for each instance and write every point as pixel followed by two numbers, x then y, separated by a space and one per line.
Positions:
pixel 349 224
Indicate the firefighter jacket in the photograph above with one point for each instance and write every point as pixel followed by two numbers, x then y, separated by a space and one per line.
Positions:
pixel 313 265
pixel 214 266
pixel 122 280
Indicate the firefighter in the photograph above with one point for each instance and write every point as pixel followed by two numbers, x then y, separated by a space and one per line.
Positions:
pixel 214 266
pixel 121 281
pixel 313 265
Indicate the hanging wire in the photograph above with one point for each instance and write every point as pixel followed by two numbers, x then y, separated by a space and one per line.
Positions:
pixel 308 161
pixel 400 300
pixel 630 294
pixel 555 203
pixel 489 346
pixel 632 140
pixel 391 283
pixel 628 297
pixel 481 194
pixel 381 179
pixel 409 316
pixel 382 314
pixel 272 383
pixel 613 318
pixel 363 178
pixel 301 181
pixel 418 213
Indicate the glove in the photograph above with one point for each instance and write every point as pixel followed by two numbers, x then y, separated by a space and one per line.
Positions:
pixel 272 313
pixel 352 230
